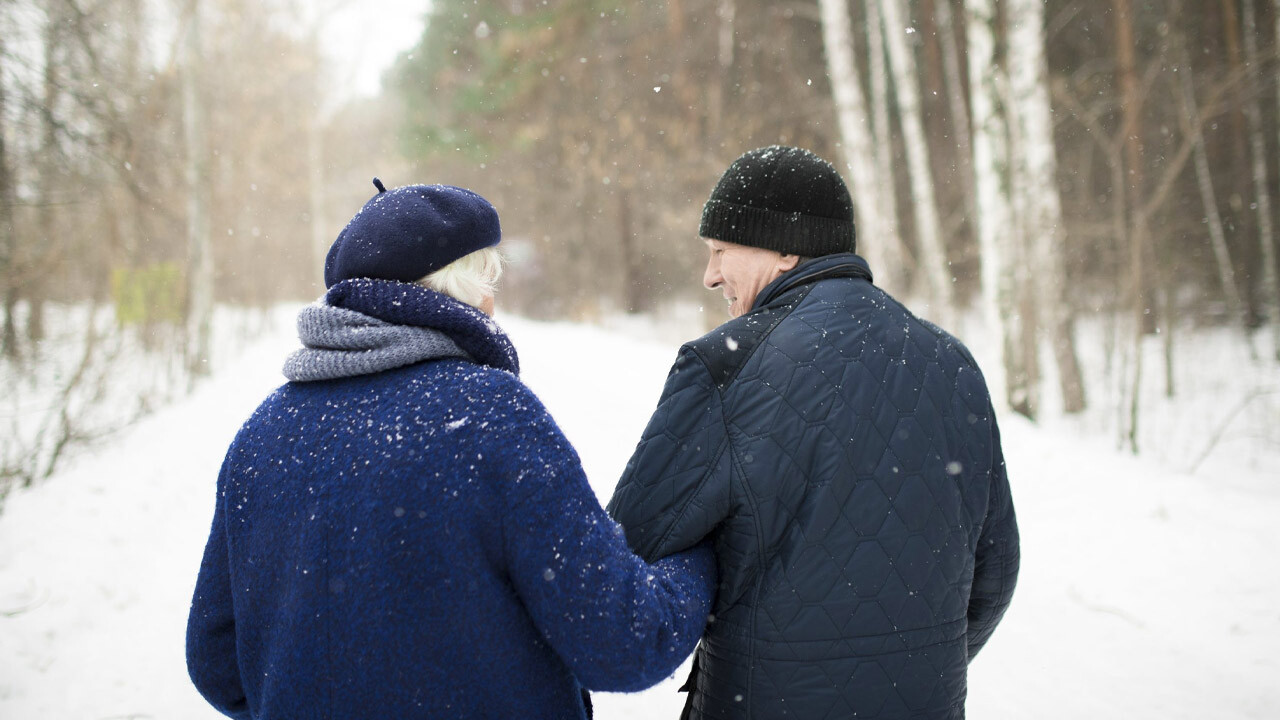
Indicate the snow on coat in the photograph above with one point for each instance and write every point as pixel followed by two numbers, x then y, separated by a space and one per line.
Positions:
pixel 421 542
pixel 844 457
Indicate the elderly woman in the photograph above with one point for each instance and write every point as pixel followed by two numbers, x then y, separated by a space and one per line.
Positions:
pixel 402 531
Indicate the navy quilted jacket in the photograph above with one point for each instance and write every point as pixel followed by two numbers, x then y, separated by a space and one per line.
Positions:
pixel 844 457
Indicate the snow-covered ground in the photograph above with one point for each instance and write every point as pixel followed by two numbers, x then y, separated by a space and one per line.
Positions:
pixel 1147 591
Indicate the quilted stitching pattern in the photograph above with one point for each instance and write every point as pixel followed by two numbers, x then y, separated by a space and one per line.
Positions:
pixel 850 474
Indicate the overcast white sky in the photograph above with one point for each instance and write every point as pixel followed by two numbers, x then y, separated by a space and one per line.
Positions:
pixel 364 37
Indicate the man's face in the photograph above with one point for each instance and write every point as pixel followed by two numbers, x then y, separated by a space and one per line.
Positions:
pixel 742 271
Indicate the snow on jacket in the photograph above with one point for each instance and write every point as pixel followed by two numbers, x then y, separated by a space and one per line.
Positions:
pixel 845 459
pixel 421 542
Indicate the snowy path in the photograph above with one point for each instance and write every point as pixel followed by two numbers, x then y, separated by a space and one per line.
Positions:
pixel 1144 594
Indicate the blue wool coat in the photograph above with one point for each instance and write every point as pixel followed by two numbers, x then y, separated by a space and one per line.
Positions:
pixel 422 543
pixel 844 456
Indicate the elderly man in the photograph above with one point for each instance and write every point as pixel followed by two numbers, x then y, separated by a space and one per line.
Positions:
pixel 843 456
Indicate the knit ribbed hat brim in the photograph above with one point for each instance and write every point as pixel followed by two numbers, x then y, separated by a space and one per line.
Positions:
pixel 792 233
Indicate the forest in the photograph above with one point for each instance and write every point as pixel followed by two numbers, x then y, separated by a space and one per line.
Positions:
pixel 1033 163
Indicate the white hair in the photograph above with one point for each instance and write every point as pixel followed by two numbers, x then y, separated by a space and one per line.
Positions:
pixel 469 279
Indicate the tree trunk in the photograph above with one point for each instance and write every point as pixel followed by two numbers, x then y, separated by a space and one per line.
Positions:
pixel 1167 335
pixel 131 227
pixel 1135 396
pixel 1131 101
pixel 932 252
pixel 995 215
pixel 1204 179
pixel 1114 258
pixel 1258 150
pixel 1037 183
pixel 45 217
pixel 320 232
pixel 8 241
pixel 1237 221
pixel 320 239
pixel 851 114
pixel 200 246
pixel 725 12
pixel 637 294
pixel 885 252
pixel 9 340
pixel 688 91
pixel 1139 272
pixel 1235 60
pixel 1269 253
pixel 959 110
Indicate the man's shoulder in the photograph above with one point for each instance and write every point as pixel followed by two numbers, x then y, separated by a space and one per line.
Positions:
pixel 726 349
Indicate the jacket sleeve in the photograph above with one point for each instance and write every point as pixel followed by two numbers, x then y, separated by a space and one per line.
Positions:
pixel 997 558
pixel 211 626
pixel 619 623
pixel 677 486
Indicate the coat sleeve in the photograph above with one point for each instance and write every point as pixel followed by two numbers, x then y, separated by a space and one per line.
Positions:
pixel 997 558
pixel 677 486
pixel 211 626
pixel 619 623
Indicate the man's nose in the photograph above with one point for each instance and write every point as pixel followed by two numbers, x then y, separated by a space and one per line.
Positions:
pixel 711 278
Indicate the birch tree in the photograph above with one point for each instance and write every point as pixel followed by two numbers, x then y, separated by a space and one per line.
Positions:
pixel 1036 186
pixel 851 116
pixel 995 213
pixel 932 252
pixel 890 270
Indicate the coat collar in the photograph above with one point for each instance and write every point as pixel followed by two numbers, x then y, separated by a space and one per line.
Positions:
pixel 408 304
pixel 811 271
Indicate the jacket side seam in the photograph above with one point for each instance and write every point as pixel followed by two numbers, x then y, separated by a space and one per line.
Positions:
pixel 684 509
pixel 737 471
pixel 711 467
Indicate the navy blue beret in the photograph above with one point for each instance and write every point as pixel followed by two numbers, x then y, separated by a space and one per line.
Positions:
pixel 410 232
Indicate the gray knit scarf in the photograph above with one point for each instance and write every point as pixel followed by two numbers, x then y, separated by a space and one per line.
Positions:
pixel 339 343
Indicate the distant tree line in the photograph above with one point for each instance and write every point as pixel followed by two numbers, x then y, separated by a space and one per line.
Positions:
pixel 1121 155
pixel 155 156
pixel 1038 160
pixel 123 119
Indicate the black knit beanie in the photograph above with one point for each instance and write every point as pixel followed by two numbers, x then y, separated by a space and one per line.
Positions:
pixel 784 199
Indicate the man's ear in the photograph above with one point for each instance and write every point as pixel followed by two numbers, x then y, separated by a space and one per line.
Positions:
pixel 787 263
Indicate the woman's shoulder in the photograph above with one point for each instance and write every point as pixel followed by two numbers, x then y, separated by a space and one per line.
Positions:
pixel 495 392
pixel 469 377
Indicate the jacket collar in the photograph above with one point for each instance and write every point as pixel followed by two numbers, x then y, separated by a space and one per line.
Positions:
pixel 811 271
